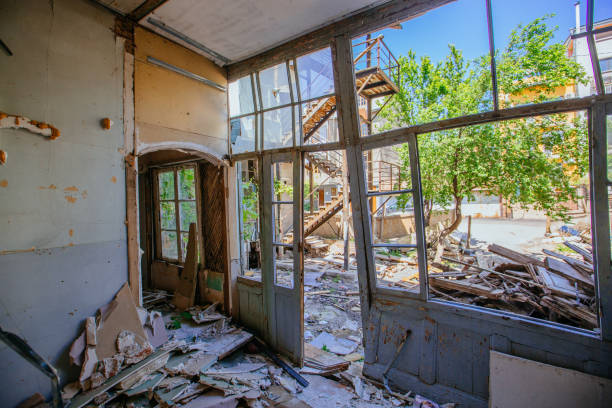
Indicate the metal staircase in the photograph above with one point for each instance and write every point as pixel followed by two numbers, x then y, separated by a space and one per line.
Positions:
pixel 374 68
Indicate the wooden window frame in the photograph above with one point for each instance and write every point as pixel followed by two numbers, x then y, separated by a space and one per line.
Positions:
pixel 157 202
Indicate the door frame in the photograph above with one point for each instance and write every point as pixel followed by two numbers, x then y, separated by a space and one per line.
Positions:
pixel 284 306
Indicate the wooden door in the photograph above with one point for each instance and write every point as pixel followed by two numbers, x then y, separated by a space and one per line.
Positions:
pixel 282 257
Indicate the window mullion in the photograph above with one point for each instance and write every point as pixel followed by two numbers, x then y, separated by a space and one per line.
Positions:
pixel 177 217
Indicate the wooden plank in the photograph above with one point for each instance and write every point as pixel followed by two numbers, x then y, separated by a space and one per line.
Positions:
pixel 83 399
pixel 356 25
pixel 184 295
pixel 569 272
pixel 467 287
pixel 584 253
pixel 514 256
pixel 572 261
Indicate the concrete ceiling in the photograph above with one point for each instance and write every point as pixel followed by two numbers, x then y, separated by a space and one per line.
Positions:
pixel 232 30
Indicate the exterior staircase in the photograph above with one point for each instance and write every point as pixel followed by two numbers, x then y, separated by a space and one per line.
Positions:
pixel 372 81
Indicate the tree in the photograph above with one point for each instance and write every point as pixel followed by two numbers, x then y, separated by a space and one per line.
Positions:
pixel 529 162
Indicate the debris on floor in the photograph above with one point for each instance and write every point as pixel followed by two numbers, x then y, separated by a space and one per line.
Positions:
pixel 204 361
pixel 552 285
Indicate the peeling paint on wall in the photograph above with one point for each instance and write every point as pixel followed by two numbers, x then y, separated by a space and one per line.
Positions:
pixel 8 121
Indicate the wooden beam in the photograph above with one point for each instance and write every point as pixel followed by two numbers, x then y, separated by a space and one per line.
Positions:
pixel 356 25
pixel 402 135
pixel 145 9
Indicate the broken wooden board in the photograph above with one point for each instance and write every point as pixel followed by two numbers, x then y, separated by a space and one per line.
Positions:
pixel 585 254
pixel 325 363
pixel 191 363
pixel 184 296
pixel 165 397
pixel 213 399
pixel 147 386
pixel 83 399
pixel 223 345
pixel 120 314
pixel 569 272
pixel 334 344
pixel 465 286
pixel 572 261
pixel 514 256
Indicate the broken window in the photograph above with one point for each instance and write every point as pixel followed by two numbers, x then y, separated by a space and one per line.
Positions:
pixel 402 80
pixel 176 209
pixel 508 217
pixel 282 219
pixel 392 217
pixel 248 208
pixel 286 105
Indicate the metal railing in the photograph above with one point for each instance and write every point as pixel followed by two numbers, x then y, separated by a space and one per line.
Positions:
pixel 375 53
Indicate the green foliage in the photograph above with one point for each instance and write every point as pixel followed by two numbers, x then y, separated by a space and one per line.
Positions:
pixel 249 210
pixel 325 348
pixel 281 188
pixel 530 59
pixel 531 162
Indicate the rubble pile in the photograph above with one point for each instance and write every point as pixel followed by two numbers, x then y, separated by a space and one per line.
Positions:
pixel 551 285
pixel 197 358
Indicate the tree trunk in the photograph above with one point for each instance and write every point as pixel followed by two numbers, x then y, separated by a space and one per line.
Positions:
pixel 456 222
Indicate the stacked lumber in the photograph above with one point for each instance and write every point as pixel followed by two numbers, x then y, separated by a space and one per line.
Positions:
pixel 554 286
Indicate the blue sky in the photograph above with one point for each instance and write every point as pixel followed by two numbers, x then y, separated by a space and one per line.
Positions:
pixel 463 23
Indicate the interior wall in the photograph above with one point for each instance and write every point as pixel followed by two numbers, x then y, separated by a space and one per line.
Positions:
pixel 62 202
pixel 172 109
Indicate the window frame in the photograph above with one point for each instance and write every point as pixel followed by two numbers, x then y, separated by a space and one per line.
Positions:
pixel 296 104
pixel 157 204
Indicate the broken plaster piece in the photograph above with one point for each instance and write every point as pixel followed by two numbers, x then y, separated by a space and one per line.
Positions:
pixel 90 331
pixel 89 365
pixel 19 122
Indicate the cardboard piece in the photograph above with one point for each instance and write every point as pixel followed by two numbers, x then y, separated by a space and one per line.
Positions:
pixel 184 296
pixel 119 315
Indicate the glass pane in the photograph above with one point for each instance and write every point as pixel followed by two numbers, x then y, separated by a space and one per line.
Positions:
pixel 166 185
pixel 604 53
pixel 283 266
pixel 319 121
pixel 283 223
pixel 537 60
pixel 242 134
pixel 167 215
pixel 282 214
pixel 445 76
pixel 396 269
pixel 504 199
pixel 316 74
pixel 184 241
pixel 388 168
pixel 248 179
pixel 274 85
pixel 278 128
pixel 393 220
pixel 241 97
pixel 186 180
pixel 169 245
pixel 188 214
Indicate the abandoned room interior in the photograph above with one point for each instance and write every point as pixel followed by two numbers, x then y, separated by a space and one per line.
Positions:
pixel 348 203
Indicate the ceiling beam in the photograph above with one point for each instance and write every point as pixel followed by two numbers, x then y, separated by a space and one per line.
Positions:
pixel 145 9
pixel 370 20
